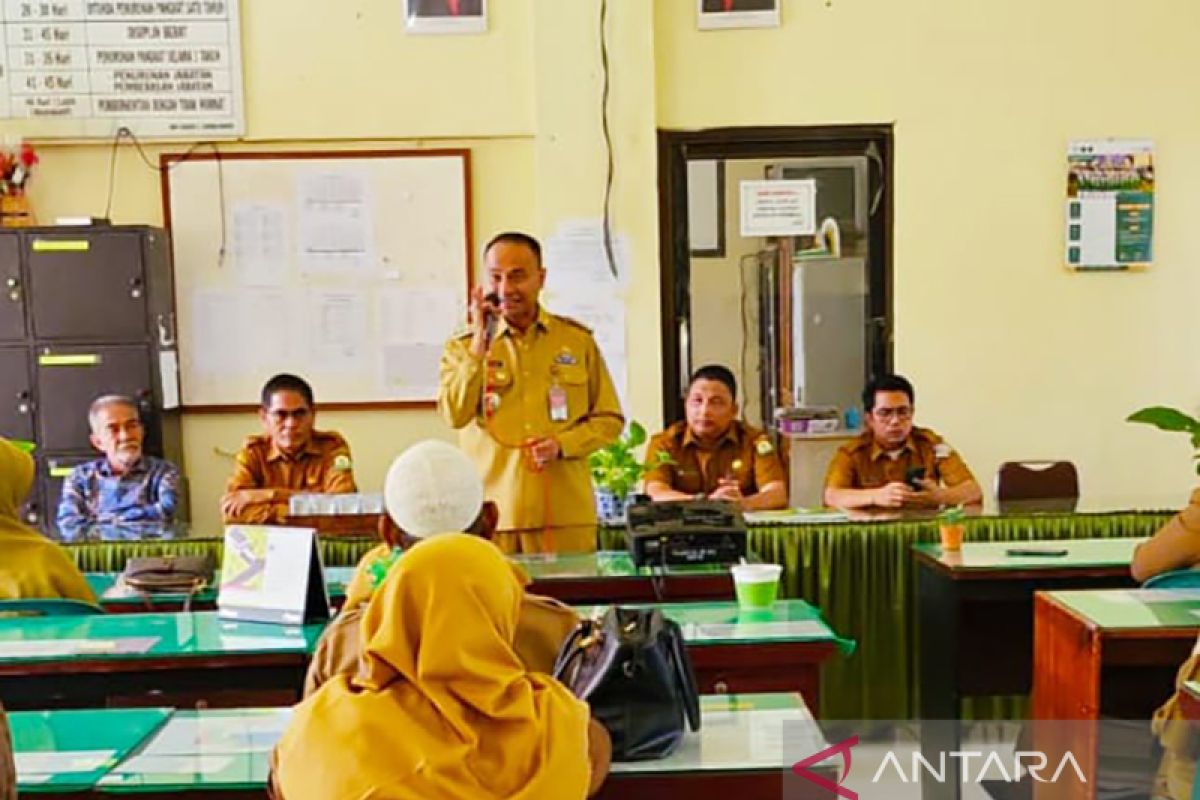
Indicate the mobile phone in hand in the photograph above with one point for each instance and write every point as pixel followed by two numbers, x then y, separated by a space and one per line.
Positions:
pixel 913 478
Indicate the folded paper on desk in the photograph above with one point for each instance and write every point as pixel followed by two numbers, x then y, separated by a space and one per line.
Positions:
pixel 59 762
pixel 58 648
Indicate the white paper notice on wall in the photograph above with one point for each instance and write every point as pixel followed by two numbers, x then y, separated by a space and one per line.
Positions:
pixel 778 208
pixel 168 370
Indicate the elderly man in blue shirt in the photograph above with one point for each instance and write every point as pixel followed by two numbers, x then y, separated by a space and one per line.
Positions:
pixel 125 487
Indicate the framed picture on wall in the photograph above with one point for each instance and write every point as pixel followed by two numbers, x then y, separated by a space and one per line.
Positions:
pixel 715 14
pixel 445 16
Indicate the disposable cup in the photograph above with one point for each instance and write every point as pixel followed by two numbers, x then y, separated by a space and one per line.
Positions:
pixel 757 585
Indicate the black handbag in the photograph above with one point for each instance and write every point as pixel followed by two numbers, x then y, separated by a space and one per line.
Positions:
pixel 634 672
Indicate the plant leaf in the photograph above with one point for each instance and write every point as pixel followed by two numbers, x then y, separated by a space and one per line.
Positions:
pixel 637 434
pixel 1167 419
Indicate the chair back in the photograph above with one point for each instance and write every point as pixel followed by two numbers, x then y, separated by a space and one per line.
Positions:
pixel 1176 579
pixel 1037 480
pixel 46 607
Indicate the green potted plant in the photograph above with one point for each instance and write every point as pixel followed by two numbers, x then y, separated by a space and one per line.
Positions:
pixel 617 470
pixel 950 526
pixel 1171 419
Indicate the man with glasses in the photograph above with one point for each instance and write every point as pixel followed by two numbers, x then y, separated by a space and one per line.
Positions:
pixel 895 464
pixel 123 488
pixel 289 458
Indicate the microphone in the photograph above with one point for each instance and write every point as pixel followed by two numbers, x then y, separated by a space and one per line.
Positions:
pixel 489 329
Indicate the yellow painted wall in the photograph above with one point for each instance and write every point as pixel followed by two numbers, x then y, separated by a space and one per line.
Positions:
pixel 1013 357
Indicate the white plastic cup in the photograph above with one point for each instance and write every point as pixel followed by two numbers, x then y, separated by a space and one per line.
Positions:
pixel 757 585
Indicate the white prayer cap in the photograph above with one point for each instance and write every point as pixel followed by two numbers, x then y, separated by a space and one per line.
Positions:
pixel 431 488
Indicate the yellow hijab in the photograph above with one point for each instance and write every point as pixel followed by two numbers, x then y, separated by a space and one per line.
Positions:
pixel 442 708
pixel 31 566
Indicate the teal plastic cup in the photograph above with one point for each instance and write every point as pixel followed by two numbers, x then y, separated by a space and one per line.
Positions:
pixel 757 585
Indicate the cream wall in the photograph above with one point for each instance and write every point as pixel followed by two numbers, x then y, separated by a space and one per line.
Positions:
pixel 1013 357
pixel 322 75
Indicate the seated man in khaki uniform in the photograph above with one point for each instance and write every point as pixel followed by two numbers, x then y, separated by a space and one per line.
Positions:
pixel 289 458
pixel 895 464
pixel 433 488
pixel 713 454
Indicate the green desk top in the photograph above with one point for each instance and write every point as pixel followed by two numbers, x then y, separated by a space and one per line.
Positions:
pixel 136 636
pixel 558 567
pixel 59 751
pixel 994 557
pixel 230 749
pixel 714 623
pixel 111 592
pixel 1135 609
pixel 603 564
pixel 223 749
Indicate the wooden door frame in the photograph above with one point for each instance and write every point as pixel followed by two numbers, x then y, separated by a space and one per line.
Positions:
pixel 674 150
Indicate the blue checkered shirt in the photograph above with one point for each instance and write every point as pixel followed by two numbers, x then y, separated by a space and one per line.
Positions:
pixel 94 495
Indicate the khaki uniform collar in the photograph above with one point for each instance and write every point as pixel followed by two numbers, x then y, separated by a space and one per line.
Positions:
pixel 732 434
pixel 542 321
pixel 878 452
pixel 310 449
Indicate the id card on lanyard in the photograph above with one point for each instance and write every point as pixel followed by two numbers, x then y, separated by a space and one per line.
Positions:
pixel 557 399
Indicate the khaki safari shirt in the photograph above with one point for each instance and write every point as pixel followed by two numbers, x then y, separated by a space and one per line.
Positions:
pixel 863 464
pixel 517 376
pixel 744 452
pixel 323 467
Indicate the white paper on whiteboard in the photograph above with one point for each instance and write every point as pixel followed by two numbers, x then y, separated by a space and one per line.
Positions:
pixel 410 371
pixel 260 246
pixel 337 327
pixel 778 208
pixel 410 316
pixel 335 214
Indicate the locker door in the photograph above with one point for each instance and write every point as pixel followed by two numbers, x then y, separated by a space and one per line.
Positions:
pixel 52 471
pixel 16 397
pixel 12 290
pixel 70 378
pixel 87 286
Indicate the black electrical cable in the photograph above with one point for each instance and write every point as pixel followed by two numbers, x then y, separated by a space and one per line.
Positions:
pixel 608 145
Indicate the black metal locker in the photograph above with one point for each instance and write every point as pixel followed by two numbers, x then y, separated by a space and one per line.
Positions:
pixel 87 286
pixel 92 315
pixel 70 377
pixel 12 291
pixel 16 394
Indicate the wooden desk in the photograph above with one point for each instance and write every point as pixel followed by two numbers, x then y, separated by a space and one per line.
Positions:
pixel 737 651
pixel 151 659
pixel 975 620
pixel 1105 652
pixel 975 611
pixel 183 658
pixel 739 749
pixel 606 576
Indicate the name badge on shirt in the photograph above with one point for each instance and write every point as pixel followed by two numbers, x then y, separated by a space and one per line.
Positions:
pixel 557 397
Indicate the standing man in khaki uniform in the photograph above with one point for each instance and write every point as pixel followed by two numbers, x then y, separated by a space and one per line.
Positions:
pixel 895 464
pixel 713 454
pixel 532 396
pixel 289 458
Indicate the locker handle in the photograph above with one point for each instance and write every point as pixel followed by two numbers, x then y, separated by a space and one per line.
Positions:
pixel 14 289
pixel 135 288
pixel 23 404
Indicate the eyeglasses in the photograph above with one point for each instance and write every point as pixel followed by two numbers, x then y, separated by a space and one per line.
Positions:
pixel 281 415
pixel 902 413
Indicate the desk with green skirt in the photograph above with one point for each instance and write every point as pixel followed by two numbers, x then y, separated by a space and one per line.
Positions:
pixel 859 572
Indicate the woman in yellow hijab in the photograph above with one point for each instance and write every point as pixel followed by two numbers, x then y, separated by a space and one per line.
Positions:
pixel 31 566
pixel 442 708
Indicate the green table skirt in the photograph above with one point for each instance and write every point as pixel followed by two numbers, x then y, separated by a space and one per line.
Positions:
pixel 861 575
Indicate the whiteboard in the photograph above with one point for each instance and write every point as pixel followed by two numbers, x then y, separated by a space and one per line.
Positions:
pixel 348 269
